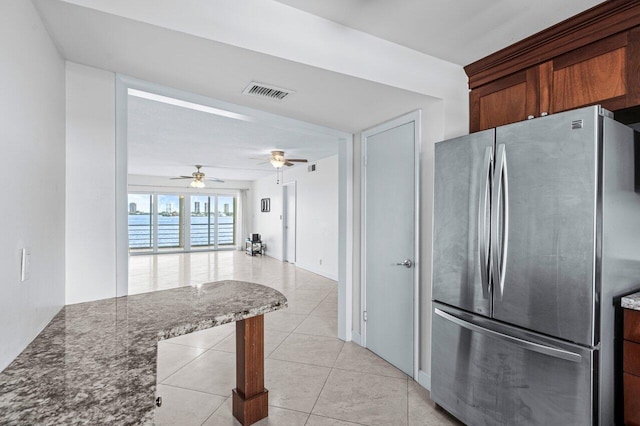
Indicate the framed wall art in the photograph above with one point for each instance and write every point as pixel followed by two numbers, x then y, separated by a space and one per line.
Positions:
pixel 265 205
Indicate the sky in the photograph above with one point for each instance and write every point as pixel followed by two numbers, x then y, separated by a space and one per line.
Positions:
pixel 143 202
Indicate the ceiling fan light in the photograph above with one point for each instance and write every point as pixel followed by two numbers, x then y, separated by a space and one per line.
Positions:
pixel 277 162
pixel 197 184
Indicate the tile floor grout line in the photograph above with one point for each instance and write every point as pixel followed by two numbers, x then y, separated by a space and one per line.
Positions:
pixel 305 288
pixel 340 420
pixel 321 390
pixel 325 380
pixel 194 390
pixel 179 369
pixel 215 411
pixel 302 363
pixel 280 344
pixel 373 374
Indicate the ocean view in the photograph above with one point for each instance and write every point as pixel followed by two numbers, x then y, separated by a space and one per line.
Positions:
pixel 202 233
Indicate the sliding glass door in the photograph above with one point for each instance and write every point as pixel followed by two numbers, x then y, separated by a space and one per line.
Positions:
pixel 213 221
pixel 226 215
pixel 141 222
pixel 202 229
pixel 170 221
pixel 177 222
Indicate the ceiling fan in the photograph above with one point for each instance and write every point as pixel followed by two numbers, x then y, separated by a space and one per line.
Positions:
pixel 278 160
pixel 198 178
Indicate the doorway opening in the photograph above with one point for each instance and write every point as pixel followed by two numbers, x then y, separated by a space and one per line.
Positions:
pixel 232 154
pixel 289 213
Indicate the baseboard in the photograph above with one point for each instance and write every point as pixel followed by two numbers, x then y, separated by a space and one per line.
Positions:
pixel 316 271
pixel 424 380
pixel 355 337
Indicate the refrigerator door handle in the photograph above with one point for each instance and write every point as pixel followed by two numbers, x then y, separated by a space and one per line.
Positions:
pixel 483 216
pixel 524 344
pixel 500 210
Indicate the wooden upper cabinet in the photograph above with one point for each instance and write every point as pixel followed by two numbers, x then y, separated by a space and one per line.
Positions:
pixel 504 101
pixel 597 73
pixel 592 58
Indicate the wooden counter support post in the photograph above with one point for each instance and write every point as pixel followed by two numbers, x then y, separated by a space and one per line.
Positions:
pixel 250 398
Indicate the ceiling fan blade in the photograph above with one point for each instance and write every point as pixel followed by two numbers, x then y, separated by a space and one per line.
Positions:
pixel 264 162
pixel 288 164
pixel 297 160
pixel 182 177
pixel 214 180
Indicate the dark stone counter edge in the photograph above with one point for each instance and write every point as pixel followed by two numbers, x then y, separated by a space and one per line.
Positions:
pixel 631 301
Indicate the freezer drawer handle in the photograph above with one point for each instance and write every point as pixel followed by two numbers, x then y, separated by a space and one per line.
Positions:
pixel 531 346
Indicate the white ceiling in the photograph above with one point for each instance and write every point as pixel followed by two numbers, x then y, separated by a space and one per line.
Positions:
pixel 168 140
pixel 459 31
pixel 344 79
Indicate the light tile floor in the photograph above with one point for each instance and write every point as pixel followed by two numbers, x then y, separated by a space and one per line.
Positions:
pixel 313 377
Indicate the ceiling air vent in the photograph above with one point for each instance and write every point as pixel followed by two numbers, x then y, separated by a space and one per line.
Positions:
pixel 267 91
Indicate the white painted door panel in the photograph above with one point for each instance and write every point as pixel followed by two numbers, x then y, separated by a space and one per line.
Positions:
pixel 390 240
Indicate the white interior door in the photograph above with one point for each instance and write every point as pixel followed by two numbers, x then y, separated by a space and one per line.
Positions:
pixel 390 241
pixel 289 221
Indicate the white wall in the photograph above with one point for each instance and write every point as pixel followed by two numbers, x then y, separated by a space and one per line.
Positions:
pixel 32 169
pixel 316 217
pixel 267 224
pixel 90 186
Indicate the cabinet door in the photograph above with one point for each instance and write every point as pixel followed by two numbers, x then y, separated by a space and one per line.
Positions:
pixel 605 72
pixel 504 101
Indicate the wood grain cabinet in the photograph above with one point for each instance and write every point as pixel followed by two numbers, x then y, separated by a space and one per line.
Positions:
pixel 631 367
pixel 592 58
pixel 507 100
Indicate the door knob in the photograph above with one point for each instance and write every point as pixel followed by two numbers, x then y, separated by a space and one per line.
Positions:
pixel 406 263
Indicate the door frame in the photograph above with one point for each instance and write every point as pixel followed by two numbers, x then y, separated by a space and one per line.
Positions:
pixel 345 185
pixel 286 187
pixel 416 118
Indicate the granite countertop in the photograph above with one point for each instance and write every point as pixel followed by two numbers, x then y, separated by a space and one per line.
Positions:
pixel 95 362
pixel 632 301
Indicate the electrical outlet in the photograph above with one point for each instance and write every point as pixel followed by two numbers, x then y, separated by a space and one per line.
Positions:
pixel 25 265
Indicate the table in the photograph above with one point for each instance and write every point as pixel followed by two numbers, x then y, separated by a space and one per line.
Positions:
pixel 95 362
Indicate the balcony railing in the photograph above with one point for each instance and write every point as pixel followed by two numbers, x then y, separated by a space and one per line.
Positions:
pixel 202 235
pixel 141 235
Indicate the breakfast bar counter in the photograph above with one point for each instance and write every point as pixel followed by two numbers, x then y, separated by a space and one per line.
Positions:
pixel 95 362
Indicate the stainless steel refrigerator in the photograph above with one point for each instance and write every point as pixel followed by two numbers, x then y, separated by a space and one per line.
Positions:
pixel 536 230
